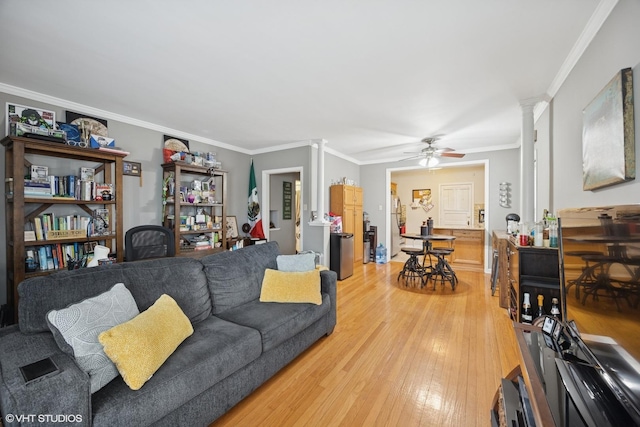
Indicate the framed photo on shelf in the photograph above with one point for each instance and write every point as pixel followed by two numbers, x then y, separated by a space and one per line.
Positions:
pixel 30 115
pixel 232 227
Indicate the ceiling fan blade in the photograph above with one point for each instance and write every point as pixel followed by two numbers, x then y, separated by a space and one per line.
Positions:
pixel 458 155
pixel 420 156
pixel 444 149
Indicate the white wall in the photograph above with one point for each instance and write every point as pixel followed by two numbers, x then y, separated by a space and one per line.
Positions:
pixel 615 47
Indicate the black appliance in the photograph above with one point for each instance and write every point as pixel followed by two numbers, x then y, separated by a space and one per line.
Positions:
pixel 576 391
pixel 371 236
pixel 603 285
pixel 341 254
pixel 512 217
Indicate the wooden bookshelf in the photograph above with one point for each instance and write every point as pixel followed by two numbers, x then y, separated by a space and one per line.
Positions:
pixel 20 210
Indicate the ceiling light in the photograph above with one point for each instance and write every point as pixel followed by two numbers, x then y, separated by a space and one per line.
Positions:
pixel 429 162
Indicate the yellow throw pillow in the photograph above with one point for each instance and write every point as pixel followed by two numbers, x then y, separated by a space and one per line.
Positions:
pixel 291 286
pixel 140 346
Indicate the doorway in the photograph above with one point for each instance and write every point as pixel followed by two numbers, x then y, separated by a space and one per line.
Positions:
pixel 281 210
pixel 458 173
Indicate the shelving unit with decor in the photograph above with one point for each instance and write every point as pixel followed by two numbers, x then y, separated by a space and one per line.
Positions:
pixel 22 211
pixel 204 218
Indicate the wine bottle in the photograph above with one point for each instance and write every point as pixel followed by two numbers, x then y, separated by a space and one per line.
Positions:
pixel 527 315
pixel 555 311
pixel 540 311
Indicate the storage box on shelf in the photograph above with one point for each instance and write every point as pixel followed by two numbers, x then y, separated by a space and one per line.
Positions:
pixel 194 207
pixel 66 232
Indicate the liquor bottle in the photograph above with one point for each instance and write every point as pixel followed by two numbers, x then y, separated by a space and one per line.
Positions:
pixel 555 311
pixel 540 311
pixel 527 315
pixel 553 233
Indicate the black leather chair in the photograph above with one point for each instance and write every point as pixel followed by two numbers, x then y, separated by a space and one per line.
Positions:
pixel 148 241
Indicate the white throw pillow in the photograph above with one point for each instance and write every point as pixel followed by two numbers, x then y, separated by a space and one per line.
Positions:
pixel 76 329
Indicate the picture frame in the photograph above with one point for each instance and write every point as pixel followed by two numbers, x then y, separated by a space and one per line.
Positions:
pixel 287 200
pixel 87 125
pixel 132 168
pixel 16 113
pixel 608 136
pixel 232 227
pixel 176 144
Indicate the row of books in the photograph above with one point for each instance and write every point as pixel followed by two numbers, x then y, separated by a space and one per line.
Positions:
pixel 57 256
pixel 68 186
pixel 98 225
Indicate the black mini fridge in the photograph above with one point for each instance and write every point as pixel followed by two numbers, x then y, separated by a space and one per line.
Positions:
pixel 341 258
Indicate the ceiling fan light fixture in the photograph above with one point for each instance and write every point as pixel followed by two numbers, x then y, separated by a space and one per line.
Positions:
pixel 429 162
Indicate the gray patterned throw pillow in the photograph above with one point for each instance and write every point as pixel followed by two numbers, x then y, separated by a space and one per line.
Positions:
pixel 76 329
pixel 299 262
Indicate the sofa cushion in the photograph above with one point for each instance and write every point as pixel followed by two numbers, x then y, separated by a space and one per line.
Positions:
pixel 216 349
pixel 291 286
pixel 277 322
pixel 39 295
pixel 140 346
pixel 180 278
pixel 235 278
pixel 299 262
pixel 76 329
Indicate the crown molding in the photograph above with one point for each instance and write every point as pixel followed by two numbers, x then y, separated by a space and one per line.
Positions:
pixel 599 17
pixel 70 105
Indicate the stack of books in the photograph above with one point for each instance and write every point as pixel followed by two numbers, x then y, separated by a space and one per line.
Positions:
pixel 37 188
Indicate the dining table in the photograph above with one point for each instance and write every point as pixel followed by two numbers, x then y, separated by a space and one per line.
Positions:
pixel 442 270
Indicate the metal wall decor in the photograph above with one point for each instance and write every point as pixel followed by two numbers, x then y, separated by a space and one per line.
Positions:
pixel 504 195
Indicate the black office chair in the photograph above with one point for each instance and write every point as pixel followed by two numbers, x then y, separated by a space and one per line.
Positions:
pixel 148 241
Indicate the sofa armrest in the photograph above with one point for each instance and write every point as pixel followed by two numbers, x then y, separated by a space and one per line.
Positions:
pixel 328 285
pixel 65 395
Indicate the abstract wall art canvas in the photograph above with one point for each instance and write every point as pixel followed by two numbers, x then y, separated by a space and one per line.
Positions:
pixel 608 138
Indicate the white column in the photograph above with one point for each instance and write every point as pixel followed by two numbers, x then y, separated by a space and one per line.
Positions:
pixel 527 185
pixel 320 182
pixel 531 108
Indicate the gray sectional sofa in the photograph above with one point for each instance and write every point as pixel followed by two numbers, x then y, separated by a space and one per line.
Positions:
pixel 237 344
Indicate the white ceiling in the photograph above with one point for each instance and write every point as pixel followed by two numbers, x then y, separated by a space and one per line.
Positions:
pixel 370 77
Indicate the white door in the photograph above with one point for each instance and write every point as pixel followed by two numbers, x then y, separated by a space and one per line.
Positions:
pixel 456 205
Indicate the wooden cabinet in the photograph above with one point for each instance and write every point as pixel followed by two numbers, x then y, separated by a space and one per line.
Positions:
pixel 468 247
pixel 22 212
pixel 194 207
pixel 347 201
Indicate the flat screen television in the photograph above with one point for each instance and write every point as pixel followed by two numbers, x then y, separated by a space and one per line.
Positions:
pixel 599 253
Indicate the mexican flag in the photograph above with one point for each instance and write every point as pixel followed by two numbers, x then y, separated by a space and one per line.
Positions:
pixel 253 208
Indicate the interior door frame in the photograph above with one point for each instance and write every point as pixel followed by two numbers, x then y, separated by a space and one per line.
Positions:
pixel 266 194
pixel 487 207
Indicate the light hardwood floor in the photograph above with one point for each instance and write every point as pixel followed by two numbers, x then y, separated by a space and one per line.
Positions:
pixel 398 357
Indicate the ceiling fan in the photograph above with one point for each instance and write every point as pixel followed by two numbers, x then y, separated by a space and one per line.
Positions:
pixel 429 155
